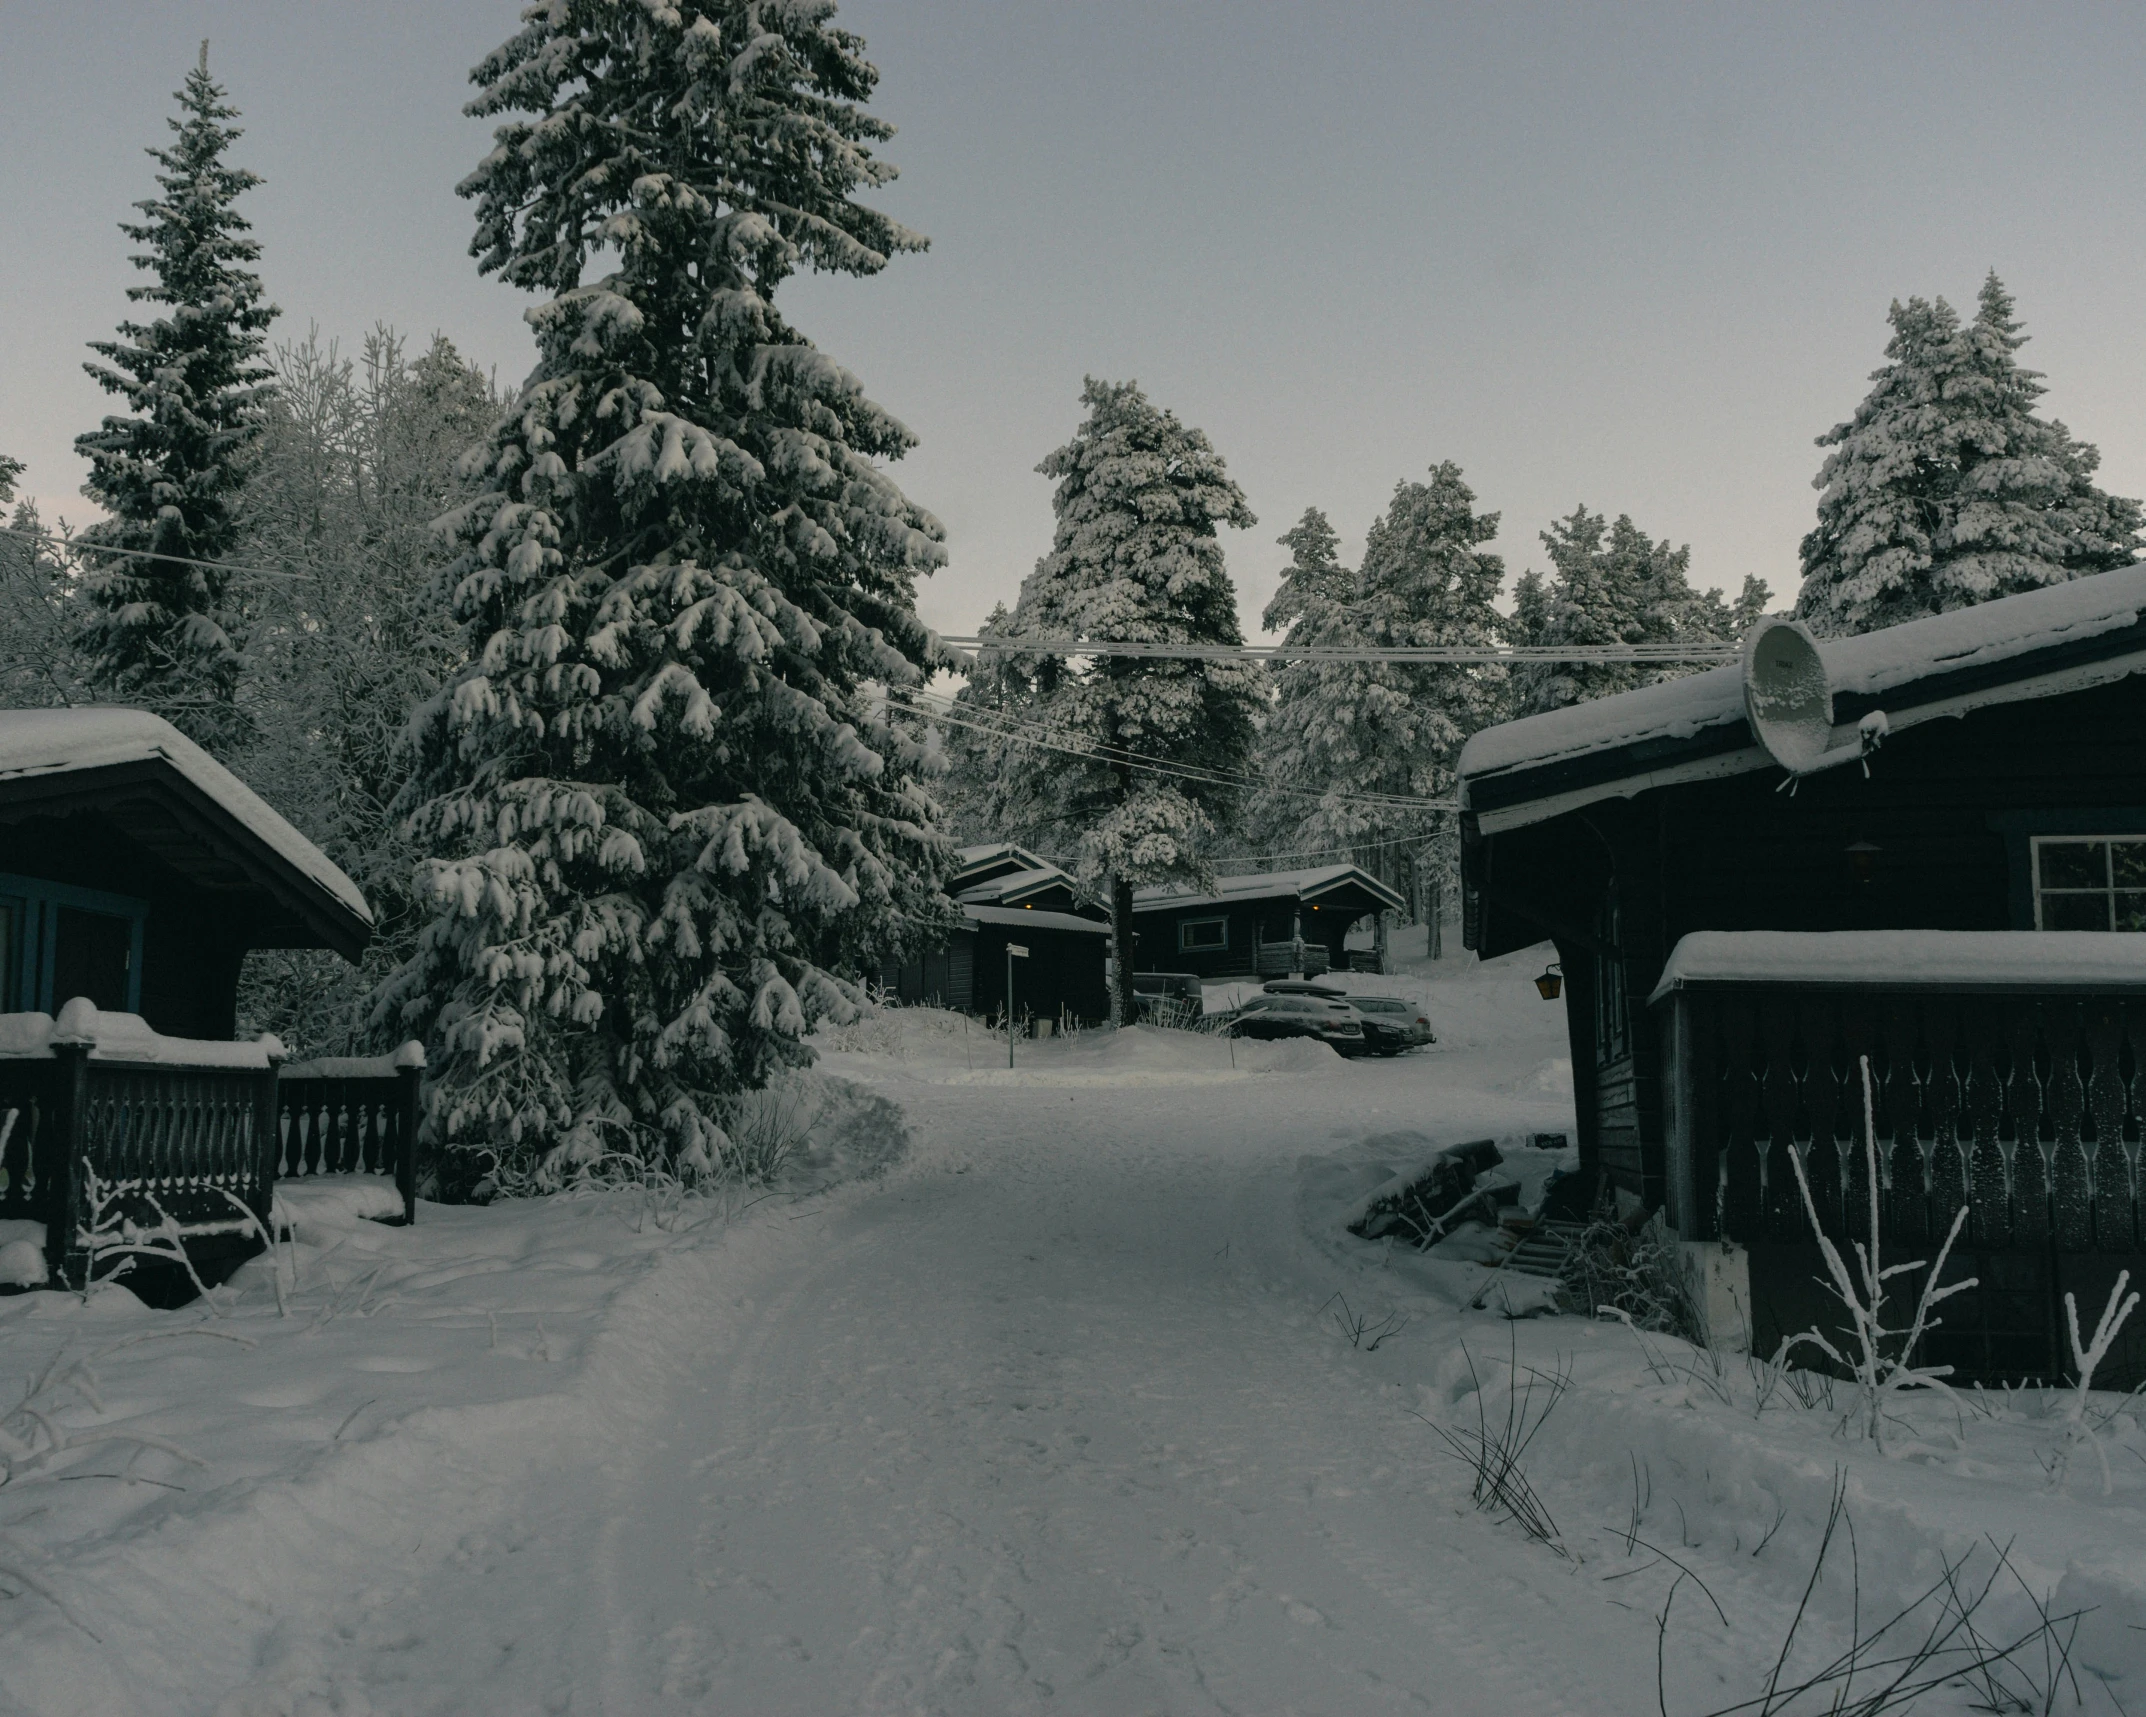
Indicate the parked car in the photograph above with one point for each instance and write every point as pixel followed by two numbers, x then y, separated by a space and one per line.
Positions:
pixel 1393 1023
pixel 1331 1022
pixel 1304 987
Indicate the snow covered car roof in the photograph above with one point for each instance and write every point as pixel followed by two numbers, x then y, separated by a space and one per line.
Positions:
pixel 2064 638
pixel 69 756
pixel 1956 959
pixel 1271 884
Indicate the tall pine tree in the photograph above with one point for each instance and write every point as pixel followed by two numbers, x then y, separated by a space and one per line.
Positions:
pixel 665 807
pixel 1344 735
pixel 194 379
pixel 1945 489
pixel 1135 556
pixel 1613 584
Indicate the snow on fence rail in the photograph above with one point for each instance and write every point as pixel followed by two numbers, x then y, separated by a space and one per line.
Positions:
pixel 107 1127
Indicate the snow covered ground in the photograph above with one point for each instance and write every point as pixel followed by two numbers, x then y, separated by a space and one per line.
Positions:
pixel 1050 1410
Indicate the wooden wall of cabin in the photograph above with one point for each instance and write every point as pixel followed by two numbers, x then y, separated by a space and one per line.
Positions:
pixel 1948 806
pixel 193 939
pixel 1063 972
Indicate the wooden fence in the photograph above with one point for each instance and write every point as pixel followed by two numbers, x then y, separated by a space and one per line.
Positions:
pixel 93 1148
pixel 2026 1106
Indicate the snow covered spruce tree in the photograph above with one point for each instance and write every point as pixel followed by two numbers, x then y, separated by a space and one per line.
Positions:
pixel 663 805
pixel 1613 584
pixel 1354 740
pixel 1945 489
pixel 170 474
pixel 1135 556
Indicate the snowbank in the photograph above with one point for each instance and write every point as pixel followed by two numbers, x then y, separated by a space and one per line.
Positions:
pixel 22 1254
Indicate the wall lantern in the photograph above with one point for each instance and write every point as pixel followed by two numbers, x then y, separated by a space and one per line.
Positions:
pixel 1551 984
pixel 1862 857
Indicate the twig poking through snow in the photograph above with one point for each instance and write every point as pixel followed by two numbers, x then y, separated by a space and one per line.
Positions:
pixel 2085 1357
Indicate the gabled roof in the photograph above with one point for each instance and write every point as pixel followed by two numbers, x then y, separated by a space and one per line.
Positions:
pixel 979 864
pixel 1309 886
pixel 1034 920
pixel 2045 642
pixel 163 791
pixel 1018 885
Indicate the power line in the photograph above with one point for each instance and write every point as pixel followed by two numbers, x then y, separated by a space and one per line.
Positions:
pixel 1023 733
pixel 1459 655
pixel 82 546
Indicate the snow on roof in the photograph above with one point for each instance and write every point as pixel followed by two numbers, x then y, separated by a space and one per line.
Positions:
pixel 1260 885
pixel 1956 959
pixel 58 741
pixel 1869 665
pixel 1016 882
pixel 1034 920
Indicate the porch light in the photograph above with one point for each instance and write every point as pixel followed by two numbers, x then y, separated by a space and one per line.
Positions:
pixel 1551 984
pixel 1862 857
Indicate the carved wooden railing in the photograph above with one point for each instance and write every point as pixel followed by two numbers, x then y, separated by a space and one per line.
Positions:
pixel 1279 959
pixel 2024 1105
pixel 351 1116
pixel 109 1133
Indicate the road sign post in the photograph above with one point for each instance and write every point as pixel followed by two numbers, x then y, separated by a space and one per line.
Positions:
pixel 1014 951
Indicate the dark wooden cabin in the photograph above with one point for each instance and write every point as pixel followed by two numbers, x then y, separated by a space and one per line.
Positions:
pixel 2009 795
pixel 137 871
pixel 1008 894
pixel 1269 925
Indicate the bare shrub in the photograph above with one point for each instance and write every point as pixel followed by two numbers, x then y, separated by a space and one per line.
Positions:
pixel 1492 1450
pixel 1636 1275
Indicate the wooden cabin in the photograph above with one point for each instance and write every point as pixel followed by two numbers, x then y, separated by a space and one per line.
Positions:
pixel 1009 895
pixel 137 871
pixel 1983 776
pixel 1269 925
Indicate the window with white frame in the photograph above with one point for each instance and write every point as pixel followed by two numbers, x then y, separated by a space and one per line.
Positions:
pixel 1202 935
pixel 2090 882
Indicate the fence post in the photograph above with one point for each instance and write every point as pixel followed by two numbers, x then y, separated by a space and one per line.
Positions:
pixel 70 1127
pixel 409 1070
pixel 267 1141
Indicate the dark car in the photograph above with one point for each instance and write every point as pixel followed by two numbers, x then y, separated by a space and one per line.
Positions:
pixel 1331 1022
pixel 1167 998
pixel 1393 1023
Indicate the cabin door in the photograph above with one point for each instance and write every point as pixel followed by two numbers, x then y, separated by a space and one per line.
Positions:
pixel 92 955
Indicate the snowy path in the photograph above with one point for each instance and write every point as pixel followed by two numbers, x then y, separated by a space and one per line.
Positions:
pixel 1050 1418
pixel 1048 1427
pixel 1049 1421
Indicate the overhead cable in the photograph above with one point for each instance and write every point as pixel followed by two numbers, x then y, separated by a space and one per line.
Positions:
pixel 1456 655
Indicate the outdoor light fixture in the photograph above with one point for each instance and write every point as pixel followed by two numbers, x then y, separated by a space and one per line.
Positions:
pixel 1863 857
pixel 1551 984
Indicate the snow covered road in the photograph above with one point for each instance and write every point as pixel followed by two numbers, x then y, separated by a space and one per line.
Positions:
pixel 1055 1416
pixel 1053 1423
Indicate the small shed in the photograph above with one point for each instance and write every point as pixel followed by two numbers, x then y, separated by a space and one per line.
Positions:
pixel 1008 894
pixel 1267 925
pixel 137 871
pixel 2007 800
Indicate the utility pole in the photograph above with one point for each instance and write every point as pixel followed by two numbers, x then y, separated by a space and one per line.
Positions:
pixel 1014 951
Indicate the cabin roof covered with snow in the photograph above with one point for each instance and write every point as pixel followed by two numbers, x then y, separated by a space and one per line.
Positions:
pixel 2064 638
pixel 162 790
pixel 1309 886
pixel 1904 959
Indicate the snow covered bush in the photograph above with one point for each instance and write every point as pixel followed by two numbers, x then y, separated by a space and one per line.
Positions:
pixel 663 806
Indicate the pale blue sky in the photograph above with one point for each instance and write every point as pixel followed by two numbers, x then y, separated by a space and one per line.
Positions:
pixel 1631 256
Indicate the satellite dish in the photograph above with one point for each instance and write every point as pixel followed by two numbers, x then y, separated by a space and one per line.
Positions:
pixel 1786 694
pixel 1789 701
